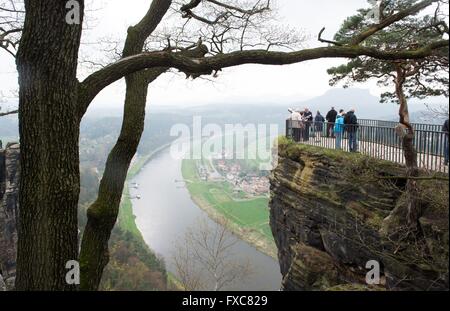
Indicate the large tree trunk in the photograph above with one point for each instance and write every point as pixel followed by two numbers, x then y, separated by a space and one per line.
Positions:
pixel 409 152
pixel 49 130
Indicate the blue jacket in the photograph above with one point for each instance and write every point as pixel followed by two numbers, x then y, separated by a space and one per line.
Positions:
pixel 339 124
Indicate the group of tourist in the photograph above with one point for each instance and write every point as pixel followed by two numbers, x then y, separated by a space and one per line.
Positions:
pixel 337 123
pixel 343 122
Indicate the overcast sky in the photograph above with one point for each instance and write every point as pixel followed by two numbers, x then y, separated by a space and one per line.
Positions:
pixel 249 83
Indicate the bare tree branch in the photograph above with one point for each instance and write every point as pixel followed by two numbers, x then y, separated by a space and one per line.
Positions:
pixel 11 19
pixel 204 259
pixel 319 37
pixel 97 81
pixel 2 114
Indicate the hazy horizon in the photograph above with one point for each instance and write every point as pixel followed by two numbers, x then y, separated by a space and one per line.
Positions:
pixel 248 83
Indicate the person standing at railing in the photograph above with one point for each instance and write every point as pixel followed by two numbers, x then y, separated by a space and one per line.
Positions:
pixel 445 130
pixel 296 118
pixel 339 128
pixel 351 126
pixel 307 119
pixel 301 124
pixel 318 123
pixel 331 118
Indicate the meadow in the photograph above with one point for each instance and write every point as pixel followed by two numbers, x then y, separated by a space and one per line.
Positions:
pixel 248 214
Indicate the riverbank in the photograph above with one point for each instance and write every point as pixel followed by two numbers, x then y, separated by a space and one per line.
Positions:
pixel 126 218
pixel 141 161
pixel 254 240
pixel 247 219
pixel 166 213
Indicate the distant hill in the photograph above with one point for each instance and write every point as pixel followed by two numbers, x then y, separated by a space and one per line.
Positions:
pixel 367 105
pixel 100 122
pixel 422 116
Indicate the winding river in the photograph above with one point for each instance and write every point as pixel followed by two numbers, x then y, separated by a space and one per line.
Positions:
pixel 165 212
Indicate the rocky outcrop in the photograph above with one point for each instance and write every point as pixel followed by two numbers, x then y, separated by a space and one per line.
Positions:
pixel 333 213
pixel 9 183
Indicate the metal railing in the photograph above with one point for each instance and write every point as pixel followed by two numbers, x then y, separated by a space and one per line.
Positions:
pixel 377 139
pixel 393 124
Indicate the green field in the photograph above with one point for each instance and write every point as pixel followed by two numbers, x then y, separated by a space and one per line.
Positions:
pixel 126 217
pixel 250 214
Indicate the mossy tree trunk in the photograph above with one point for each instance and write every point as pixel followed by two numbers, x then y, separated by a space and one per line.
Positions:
pixel 49 130
pixel 103 213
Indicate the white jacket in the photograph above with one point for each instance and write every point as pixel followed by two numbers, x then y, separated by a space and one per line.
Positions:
pixel 296 116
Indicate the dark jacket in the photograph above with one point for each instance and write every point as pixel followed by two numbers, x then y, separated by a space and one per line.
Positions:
pixel 351 122
pixel 445 127
pixel 308 116
pixel 331 116
pixel 318 120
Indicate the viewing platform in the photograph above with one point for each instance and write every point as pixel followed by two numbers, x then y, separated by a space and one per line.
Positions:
pixel 379 139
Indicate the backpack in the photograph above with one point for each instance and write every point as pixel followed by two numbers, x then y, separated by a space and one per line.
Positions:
pixel 347 118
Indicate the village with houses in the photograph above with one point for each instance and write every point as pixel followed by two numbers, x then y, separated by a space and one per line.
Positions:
pixel 243 179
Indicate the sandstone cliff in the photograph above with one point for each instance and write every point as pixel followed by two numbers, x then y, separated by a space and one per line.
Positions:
pixel 9 177
pixel 333 212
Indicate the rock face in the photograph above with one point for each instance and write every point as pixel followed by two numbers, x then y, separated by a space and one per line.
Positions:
pixel 335 214
pixel 9 184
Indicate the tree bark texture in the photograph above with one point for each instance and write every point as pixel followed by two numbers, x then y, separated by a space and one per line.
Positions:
pixel 49 130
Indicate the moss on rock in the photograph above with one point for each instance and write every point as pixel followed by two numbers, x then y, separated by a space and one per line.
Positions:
pixel 347 209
